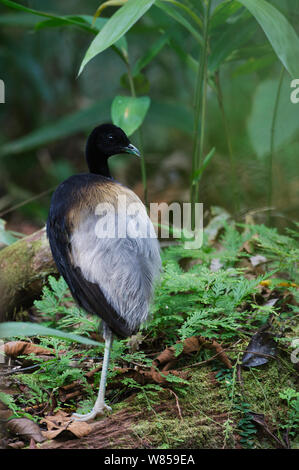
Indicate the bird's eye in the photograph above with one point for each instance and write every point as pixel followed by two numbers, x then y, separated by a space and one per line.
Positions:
pixel 110 137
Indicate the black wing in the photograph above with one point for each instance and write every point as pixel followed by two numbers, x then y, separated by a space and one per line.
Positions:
pixel 87 295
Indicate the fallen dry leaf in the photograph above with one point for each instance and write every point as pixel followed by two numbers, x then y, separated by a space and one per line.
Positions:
pixel 26 428
pixel 145 376
pixel 167 358
pixel 16 445
pixel 268 282
pixel 16 348
pixel 260 349
pixel 249 245
pixel 61 422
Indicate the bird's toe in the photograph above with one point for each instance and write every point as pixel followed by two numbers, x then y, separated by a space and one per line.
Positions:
pixel 96 411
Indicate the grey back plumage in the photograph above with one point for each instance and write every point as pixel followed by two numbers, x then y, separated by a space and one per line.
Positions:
pixel 125 269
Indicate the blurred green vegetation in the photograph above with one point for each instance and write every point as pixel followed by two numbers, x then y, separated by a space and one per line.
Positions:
pixel 49 111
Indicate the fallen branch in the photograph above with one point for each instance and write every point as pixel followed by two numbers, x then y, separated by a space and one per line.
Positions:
pixel 24 267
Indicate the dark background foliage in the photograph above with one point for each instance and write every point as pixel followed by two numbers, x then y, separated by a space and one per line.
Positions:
pixel 44 96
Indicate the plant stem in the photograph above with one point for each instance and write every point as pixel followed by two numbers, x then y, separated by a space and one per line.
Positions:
pixel 199 111
pixel 140 138
pixel 272 137
pixel 235 189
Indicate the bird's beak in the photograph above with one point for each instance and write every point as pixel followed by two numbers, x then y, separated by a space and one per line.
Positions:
pixel 132 149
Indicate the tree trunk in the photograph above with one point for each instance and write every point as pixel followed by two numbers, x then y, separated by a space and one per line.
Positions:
pixel 24 266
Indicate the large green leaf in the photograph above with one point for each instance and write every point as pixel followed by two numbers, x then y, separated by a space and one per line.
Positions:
pixel 128 112
pixel 228 40
pixel 260 120
pixel 279 31
pixel 124 18
pixel 79 121
pixel 16 329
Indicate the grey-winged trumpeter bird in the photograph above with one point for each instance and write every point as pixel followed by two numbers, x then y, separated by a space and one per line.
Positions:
pixel 105 246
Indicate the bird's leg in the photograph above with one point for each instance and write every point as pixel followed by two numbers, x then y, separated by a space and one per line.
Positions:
pixel 100 406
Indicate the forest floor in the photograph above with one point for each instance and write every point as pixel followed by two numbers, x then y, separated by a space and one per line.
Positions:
pixel 214 368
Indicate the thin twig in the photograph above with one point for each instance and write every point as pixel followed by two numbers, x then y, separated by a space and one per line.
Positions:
pixel 235 189
pixel 177 402
pixel 199 112
pixel 139 132
pixel 272 136
pixel 27 201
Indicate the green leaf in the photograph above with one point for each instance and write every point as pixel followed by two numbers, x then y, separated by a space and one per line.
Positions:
pixel 197 174
pixel 279 31
pixel 260 119
pixel 81 21
pixel 222 12
pixel 6 237
pixel 178 348
pixel 15 329
pixel 86 23
pixel 252 52
pixel 150 54
pixel 116 27
pixel 253 64
pixel 186 58
pixel 129 112
pixel 176 15
pixel 65 19
pixel 68 125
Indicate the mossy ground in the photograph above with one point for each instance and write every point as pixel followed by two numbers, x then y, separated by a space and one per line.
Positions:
pixel 210 418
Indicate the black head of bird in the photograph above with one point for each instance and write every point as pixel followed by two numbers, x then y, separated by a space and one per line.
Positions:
pixel 104 141
pixel 111 276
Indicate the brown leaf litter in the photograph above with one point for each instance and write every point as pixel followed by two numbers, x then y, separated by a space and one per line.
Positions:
pixel 25 428
pixel 18 348
pixel 61 422
pixel 61 426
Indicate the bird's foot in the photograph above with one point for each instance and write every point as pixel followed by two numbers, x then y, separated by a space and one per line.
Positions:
pixel 96 411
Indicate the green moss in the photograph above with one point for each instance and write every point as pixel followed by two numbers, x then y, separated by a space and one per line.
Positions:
pixel 210 418
pixel 262 387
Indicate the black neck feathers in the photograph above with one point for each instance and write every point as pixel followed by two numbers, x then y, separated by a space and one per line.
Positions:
pixel 97 163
